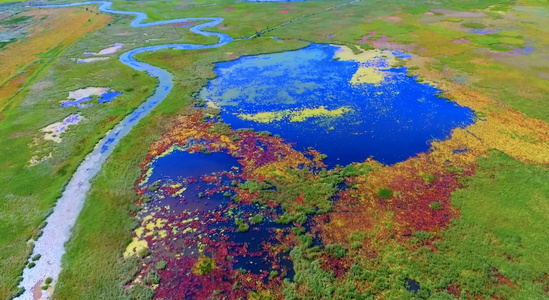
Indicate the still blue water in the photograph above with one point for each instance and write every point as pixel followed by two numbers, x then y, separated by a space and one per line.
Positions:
pixel 390 121
pixel 181 164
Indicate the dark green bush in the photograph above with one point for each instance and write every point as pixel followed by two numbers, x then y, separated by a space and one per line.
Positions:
pixel 161 265
pixel 385 193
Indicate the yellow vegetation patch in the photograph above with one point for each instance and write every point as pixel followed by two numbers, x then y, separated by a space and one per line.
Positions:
pixel 135 247
pixel 265 117
pixel 370 69
pixel 295 116
pixel 159 223
pixel 302 115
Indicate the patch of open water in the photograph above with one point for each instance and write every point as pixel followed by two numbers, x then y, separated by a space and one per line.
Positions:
pixel 307 97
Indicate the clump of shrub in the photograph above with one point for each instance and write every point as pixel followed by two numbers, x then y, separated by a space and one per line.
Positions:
pixel 153 278
pixel 356 239
pixel 428 178
pixel 435 205
pixel 161 265
pixel 49 280
pixel 36 257
pixel 257 219
pixel 242 227
pixel 454 170
pixel 18 292
pixel 31 265
pixel 336 250
pixel 385 193
pixel 204 265
pixel 141 292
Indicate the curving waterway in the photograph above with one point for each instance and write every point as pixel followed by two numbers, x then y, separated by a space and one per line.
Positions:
pixel 58 229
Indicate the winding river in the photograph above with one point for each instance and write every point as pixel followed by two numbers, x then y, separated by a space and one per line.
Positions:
pixel 58 229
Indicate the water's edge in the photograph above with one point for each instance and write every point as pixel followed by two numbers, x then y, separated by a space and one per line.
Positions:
pixel 59 224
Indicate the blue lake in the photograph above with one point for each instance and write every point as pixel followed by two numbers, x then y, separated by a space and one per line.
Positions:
pixel 391 120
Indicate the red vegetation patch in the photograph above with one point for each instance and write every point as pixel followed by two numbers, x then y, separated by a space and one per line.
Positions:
pixel 420 202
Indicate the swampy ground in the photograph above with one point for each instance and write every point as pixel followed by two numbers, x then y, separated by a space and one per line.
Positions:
pixel 465 217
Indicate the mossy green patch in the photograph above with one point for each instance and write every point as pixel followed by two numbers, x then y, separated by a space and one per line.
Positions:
pixel 508 33
pixel 453 19
pixel 473 25
pixel 511 41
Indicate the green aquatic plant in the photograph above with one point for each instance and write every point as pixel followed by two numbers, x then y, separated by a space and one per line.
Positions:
pixel 243 227
pixel 273 274
pixel 257 219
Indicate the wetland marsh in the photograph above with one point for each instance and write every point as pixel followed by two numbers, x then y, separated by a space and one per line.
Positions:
pixel 274 149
